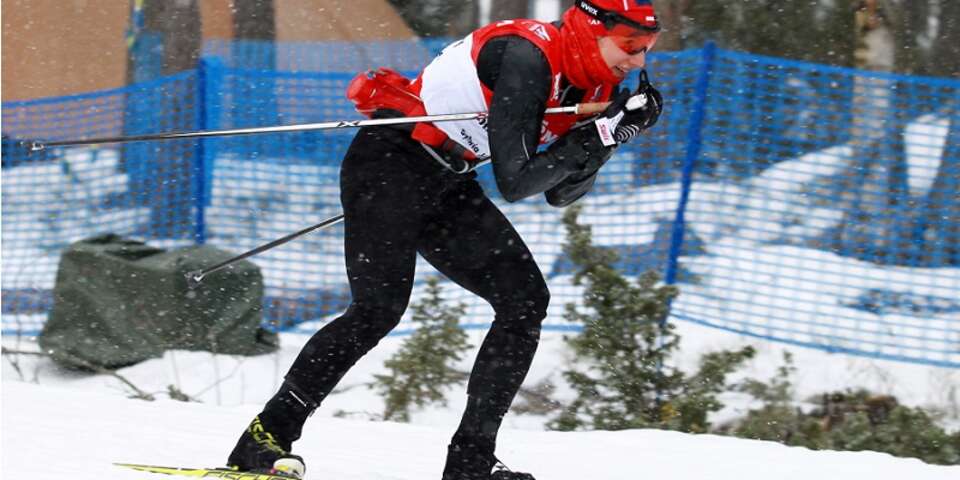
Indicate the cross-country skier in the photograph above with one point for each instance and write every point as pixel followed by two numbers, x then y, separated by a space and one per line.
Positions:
pixel 410 191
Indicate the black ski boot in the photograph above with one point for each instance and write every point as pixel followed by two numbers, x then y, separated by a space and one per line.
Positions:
pixel 504 473
pixel 258 450
pixel 466 463
pixel 265 444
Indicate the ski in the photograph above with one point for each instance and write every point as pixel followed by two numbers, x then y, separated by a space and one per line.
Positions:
pixel 224 473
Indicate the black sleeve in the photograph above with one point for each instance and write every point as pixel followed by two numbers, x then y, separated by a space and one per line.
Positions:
pixel 519 75
pixel 570 190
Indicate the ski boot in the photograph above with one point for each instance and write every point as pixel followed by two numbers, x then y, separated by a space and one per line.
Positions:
pixel 504 473
pixel 465 463
pixel 258 450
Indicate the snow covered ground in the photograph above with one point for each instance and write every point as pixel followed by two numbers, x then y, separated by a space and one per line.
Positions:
pixel 56 420
pixel 59 424
pixel 77 435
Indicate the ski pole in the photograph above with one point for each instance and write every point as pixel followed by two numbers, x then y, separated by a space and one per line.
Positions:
pixel 579 109
pixel 195 277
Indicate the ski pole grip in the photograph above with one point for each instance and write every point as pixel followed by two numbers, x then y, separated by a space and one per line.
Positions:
pixel 592 108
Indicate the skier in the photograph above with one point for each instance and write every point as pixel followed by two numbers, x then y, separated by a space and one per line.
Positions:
pixel 412 190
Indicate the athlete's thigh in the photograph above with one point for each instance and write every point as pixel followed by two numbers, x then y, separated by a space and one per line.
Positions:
pixel 476 246
pixel 382 215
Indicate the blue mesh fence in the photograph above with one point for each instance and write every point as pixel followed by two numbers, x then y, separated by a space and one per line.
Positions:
pixel 818 195
pixel 55 197
pixel 798 202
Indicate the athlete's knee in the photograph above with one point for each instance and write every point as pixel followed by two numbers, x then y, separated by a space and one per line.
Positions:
pixel 537 303
pixel 380 317
pixel 542 299
pixel 526 307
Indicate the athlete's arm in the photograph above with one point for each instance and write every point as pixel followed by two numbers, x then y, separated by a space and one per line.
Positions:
pixel 570 190
pixel 520 77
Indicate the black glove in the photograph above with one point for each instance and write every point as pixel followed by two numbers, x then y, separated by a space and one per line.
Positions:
pixel 636 121
pixel 579 150
pixel 630 113
pixel 582 152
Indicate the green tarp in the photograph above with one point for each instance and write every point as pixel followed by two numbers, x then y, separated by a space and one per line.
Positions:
pixel 118 302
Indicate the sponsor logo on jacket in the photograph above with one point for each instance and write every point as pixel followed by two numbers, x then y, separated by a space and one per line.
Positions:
pixel 468 139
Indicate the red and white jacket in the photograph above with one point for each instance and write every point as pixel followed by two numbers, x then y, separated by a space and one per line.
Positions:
pixel 450 84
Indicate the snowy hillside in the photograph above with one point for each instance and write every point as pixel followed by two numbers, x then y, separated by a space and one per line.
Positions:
pixel 52 433
pixel 54 418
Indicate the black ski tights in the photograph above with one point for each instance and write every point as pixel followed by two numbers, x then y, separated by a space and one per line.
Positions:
pixel 399 202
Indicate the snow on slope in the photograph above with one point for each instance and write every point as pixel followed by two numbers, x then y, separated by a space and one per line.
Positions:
pixel 232 381
pixel 55 433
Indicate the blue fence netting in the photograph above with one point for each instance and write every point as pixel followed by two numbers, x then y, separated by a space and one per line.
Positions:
pixel 797 202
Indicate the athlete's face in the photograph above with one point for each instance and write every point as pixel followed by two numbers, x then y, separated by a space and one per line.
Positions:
pixel 623 54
